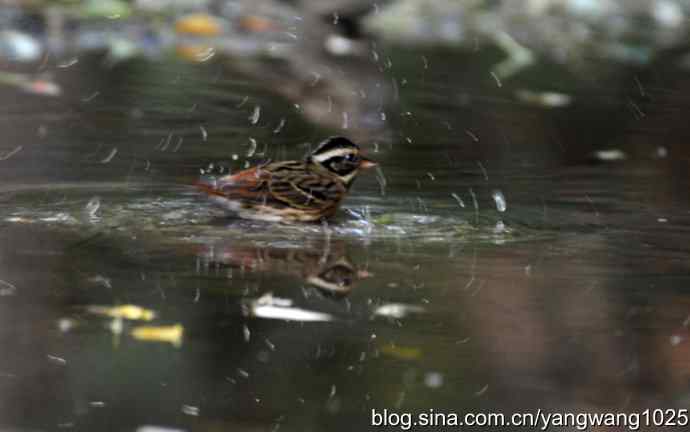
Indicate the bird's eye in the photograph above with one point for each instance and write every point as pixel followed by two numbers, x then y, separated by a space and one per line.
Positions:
pixel 351 157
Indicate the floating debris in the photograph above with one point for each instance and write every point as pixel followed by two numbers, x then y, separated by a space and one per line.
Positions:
pixel 190 410
pixel 500 200
pixel 397 310
pixel 171 334
pixel 128 311
pixel 66 324
pixel 433 379
pixel 204 134
pixel 401 352
pixel 339 45
pixel 17 219
pixel 544 99
pixel 610 155
pixel 199 24
pixel 57 360
pixel 247 333
pixel 271 307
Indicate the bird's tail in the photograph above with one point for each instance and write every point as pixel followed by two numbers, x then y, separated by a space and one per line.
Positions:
pixel 208 185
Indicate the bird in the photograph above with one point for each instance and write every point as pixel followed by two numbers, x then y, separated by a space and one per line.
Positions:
pixel 308 190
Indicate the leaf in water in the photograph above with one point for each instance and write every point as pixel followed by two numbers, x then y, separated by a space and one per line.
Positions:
pixel 199 24
pixel 171 334
pixel 128 311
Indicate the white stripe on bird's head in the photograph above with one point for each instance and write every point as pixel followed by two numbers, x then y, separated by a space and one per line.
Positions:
pixel 339 152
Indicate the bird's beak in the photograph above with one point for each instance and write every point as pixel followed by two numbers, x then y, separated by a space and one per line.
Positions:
pixel 367 163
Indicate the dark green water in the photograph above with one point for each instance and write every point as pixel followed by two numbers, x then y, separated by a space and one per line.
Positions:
pixel 573 299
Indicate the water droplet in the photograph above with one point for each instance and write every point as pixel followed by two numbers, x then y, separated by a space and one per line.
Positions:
pixel 92 207
pixel 500 200
pixel 254 118
pixel 252 147
pixel 461 203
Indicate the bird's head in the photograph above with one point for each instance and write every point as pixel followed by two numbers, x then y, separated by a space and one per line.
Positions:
pixel 341 157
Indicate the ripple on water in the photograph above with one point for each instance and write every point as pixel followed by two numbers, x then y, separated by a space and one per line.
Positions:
pixel 179 213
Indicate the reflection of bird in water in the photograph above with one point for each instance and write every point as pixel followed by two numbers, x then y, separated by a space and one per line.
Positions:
pixel 324 267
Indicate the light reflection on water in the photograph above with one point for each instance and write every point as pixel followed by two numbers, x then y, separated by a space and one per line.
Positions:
pixel 571 299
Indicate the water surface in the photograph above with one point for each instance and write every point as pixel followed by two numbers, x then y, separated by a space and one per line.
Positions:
pixel 572 299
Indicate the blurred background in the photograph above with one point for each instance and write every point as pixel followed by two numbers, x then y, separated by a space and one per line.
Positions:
pixel 523 244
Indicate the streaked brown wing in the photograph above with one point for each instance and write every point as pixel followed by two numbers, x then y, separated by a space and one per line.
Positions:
pixel 280 185
pixel 305 189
